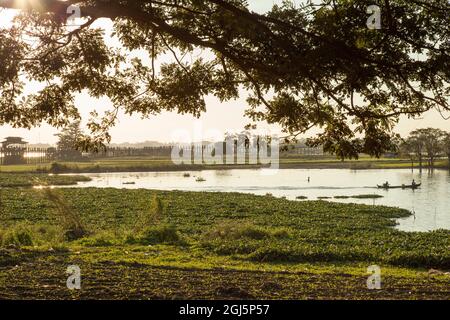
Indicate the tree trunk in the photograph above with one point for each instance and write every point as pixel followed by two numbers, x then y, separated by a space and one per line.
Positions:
pixel 420 162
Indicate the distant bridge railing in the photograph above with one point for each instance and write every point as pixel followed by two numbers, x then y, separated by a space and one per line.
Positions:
pixel 31 155
pixel 26 155
pixel 116 152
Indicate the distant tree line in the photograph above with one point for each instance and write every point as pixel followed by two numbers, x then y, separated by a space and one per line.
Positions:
pixel 426 145
pixel 422 145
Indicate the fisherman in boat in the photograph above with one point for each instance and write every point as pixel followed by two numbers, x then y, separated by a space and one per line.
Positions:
pixel 414 184
pixel 386 184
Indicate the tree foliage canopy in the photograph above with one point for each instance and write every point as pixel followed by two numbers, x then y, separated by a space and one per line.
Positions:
pixel 428 141
pixel 68 139
pixel 314 65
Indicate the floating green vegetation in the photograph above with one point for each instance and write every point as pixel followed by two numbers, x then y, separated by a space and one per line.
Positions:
pixel 170 237
pixel 27 180
pixel 367 196
pixel 362 196
pixel 246 227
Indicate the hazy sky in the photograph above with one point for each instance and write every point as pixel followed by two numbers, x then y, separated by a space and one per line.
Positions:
pixel 220 117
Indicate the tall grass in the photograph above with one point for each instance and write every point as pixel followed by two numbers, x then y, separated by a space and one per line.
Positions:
pixel 160 234
pixel 68 218
pixel 236 230
pixel 152 230
pixel 153 216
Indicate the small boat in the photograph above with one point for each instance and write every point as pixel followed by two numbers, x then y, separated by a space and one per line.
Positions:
pixel 131 182
pixel 404 186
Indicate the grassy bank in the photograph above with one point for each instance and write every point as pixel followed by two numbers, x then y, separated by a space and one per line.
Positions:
pixel 26 180
pixel 155 244
pixel 155 165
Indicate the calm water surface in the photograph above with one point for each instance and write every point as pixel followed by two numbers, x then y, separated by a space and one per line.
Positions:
pixel 430 203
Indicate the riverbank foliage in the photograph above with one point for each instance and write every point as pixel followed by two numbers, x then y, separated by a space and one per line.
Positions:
pixel 244 226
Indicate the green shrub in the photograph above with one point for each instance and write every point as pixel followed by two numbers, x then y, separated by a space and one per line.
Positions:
pixel 27 234
pixel 56 167
pixel 234 230
pixel 18 236
pixel 161 234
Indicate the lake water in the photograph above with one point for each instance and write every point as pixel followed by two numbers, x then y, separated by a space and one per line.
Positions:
pixel 430 203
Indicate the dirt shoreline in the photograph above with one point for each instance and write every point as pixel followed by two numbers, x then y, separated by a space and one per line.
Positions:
pixel 42 279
